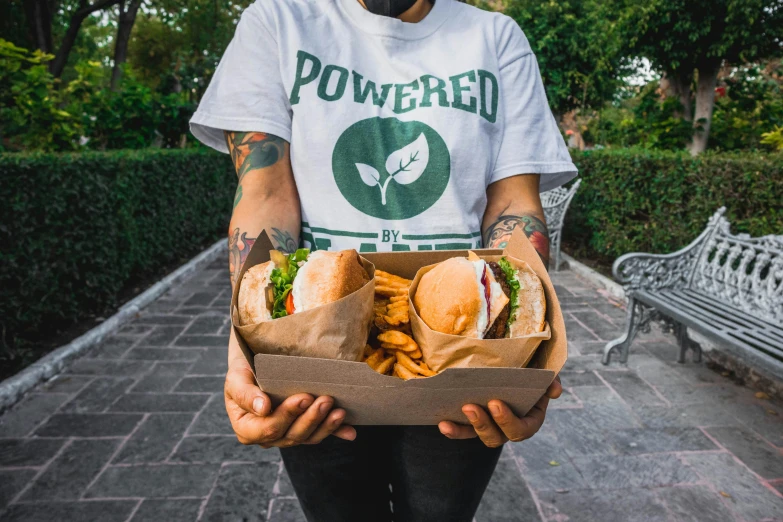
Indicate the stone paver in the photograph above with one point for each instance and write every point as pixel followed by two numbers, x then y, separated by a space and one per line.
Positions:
pixel 136 430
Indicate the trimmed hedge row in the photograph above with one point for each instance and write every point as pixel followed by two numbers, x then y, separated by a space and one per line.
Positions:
pixel 654 201
pixel 78 231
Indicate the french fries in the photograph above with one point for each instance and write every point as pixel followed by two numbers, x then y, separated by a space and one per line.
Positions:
pixel 398 354
pixel 391 302
pixel 386 365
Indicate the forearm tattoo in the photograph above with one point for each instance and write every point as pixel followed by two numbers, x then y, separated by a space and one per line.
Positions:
pixel 284 241
pixel 239 246
pixel 498 234
pixel 254 150
pixel 251 151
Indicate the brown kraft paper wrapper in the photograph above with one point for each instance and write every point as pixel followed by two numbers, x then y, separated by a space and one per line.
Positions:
pixel 372 399
pixel 337 330
pixel 441 351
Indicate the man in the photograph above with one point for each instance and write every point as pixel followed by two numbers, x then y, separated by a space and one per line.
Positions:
pixel 381 125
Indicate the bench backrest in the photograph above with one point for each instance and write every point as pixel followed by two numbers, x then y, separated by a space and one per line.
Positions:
pixel 555 203
pixel 741 271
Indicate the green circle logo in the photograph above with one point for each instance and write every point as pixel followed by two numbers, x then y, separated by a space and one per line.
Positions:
pixel 391 169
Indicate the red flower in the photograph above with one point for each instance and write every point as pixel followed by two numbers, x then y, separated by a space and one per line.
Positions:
pixel 540 243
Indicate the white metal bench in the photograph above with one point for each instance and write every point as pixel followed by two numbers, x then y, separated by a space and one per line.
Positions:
pixel 555 203
pixel 727 287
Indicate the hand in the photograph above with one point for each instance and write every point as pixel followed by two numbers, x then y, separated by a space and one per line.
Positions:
pixel 297 420
pixel 503 425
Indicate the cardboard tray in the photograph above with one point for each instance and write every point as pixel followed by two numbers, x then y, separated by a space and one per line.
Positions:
pixel 373 399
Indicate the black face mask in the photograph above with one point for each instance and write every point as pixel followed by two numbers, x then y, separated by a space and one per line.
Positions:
pixel 393 8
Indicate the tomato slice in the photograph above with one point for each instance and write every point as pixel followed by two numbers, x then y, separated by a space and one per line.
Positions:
pixel 289 304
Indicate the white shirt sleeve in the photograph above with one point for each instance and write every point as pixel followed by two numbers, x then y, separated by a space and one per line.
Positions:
pixel 246 92
pixel 531 142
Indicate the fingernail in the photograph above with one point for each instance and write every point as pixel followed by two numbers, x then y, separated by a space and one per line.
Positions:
pixel 339 417
pixel 445 431
pixel 258 405
pixel 471 415
pixel 324 407
pixel 304 404
pixel 495 409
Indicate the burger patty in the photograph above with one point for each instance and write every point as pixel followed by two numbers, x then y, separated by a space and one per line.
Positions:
pixel 498 328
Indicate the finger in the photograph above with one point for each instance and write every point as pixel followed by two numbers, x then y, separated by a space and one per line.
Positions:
pixel 332 422
pixel 274 426
pixel 457 431
pixel 241 388
pixel 306 423
pixel 345 433
pixel 487 431
pixel 555 389
pixel 513 427
pixel 536 416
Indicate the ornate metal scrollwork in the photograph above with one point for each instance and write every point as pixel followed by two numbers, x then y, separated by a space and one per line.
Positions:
pixel 555 203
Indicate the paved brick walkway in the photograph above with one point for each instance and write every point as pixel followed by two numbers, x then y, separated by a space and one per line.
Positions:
pixel 136 431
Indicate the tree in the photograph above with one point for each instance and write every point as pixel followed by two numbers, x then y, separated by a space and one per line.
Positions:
pixel 687 40
pixel 179 46
pixel 125 23
pixel 40 16
pixel 578 49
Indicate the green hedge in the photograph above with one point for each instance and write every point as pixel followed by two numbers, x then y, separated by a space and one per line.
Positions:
pixel 650 201
pixel 79 231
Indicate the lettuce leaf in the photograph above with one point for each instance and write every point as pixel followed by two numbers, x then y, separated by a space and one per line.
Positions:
pixel 283 281
pixel 510 273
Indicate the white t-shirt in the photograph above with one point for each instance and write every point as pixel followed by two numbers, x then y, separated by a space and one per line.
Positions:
pixel 396 129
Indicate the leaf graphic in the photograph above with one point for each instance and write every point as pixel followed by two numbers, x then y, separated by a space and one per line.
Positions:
pixel 407 164
pixel 369 174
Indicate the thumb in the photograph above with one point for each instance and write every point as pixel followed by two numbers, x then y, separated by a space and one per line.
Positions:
pixel 241 388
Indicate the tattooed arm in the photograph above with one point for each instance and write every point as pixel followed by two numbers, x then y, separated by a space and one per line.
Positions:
pixel 266 196
pixel 515 202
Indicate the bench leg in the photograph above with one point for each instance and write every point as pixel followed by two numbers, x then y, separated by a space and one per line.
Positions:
pixel 686 343
pixel 622 344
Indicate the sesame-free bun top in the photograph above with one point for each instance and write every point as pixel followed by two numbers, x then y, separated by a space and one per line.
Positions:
pixel 448 298
pixel 327 277
pixel 251 301
pixel 530 317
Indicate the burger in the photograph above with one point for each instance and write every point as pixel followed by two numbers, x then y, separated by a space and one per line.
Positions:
pixel 485 300
pixel 289 284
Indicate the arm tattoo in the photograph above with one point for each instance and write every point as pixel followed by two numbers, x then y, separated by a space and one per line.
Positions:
pixel 239 246
pixel 254 150
pixel 285 242
pixel 499 233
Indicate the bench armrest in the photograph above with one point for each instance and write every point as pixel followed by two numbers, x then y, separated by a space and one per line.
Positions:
pixel 642 271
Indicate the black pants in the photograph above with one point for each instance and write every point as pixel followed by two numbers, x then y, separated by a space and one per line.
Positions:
pixel 421 474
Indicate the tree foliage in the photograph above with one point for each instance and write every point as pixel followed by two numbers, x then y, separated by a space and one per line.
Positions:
pixel 683 37
pixel 749 104
pixel 43 113
pixel 578 47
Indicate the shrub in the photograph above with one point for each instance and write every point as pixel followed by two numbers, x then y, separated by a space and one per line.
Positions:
pixel 655 201
pixel 79 230
pixel 31 114
pixel 645 121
